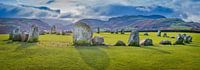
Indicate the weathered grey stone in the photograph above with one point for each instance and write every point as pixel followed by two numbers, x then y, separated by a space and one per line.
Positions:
pixel 187 39
pixel 122 31
pixel 82 34
pixel 98 40
pixel 98 30
pixel 179 39
pixel 116 31
pixel 146 34
pixel 16 35
pixel 165 42
pixel 165 35
pixel 120 43
pixel 53 29
pixel 33 34
pixel 159 33
pixel 147 42
pixel 134 38
pixel 24 36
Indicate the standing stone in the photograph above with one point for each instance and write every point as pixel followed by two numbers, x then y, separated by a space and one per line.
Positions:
pixel 116 31
pixel 98 40
pixel 120 43
pixel 146 34
pixel 16 35
pixel 98 30
pixel 187 39
pixel 24 36
pixel 159 33
pixel 53 29
pixel 82 34
pixel 146 42
pixel 122 31
pixel 33 34
pixel 134 38
pixel 179 39
pixel 165 35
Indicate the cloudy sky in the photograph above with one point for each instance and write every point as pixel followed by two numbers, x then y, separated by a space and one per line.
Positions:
pixel 73 10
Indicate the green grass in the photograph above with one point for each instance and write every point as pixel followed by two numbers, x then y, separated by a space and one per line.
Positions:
pixel 54 52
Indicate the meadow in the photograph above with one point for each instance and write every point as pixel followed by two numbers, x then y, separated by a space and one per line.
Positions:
pixel 55 52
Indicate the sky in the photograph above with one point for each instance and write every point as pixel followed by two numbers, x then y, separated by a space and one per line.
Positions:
pixel 74 10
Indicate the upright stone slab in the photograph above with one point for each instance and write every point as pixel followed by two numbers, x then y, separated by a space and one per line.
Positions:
pixel 98 30
pixel 53 29
pixel 16 35
pixel 134 38
pixel 122 31
pixel 179 39
pixel 187 39
pixel 159 33
pixel 33 34
pixel 82 34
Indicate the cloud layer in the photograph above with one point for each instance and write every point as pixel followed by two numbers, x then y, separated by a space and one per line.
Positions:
pixel 74 10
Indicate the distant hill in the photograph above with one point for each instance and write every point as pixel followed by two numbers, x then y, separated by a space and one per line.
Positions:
pixel 152 22
pixel 8 24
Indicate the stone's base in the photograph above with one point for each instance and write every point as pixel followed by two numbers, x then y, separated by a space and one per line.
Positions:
pixel 82 43
pixel 134 44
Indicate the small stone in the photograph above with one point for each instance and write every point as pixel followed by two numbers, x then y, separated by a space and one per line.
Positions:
pixel 146 42
pixel 120 43
pixel 165 42
pixel 98 40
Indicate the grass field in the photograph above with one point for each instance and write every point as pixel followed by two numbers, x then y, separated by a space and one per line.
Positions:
pixel 55 52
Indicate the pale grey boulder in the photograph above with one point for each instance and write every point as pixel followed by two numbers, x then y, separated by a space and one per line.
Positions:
pixel 16 35
pixel 134 38
pixel 179 39
pixel 98 40
pixel 147 42
pixel 33 34
pixel 159 33
pixel 82 34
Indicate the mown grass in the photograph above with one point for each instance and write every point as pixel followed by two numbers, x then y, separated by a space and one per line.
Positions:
pixel 54 52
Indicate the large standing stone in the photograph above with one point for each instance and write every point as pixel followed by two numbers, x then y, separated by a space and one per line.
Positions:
pixel 82 34
pixel 98 40
pixel 53 29
pixel 146 42
pixel 122 31
pixel 16 35
pixel 159 33
pixel 165 42
pixel 120 43
pixel 179 39
pixel 24 36
pixel 134 38
pixel 33 34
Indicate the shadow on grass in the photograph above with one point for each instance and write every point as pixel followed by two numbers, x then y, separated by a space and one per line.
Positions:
pixel 94 57
pixel 159 50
